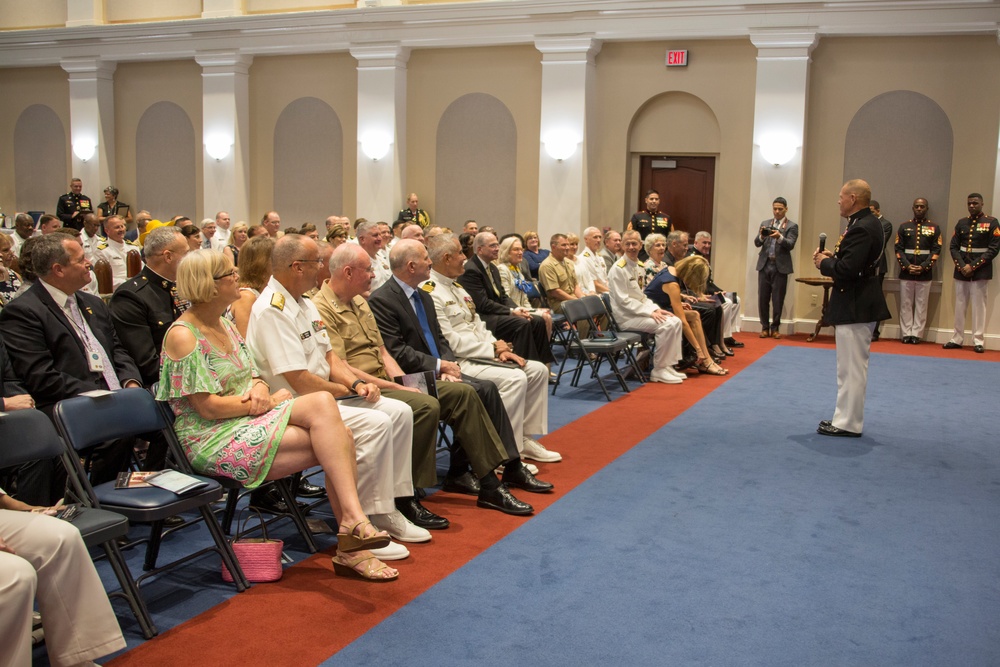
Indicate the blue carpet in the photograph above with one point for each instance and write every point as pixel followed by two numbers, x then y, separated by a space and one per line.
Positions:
pixel 737 535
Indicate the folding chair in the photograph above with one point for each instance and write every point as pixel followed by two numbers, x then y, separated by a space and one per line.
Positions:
pixel 86 421
pixel 601 344
pixel 636 338
pixel 28 435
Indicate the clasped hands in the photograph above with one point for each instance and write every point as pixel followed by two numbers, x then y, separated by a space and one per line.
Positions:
pixel 260 398
pixel 818 256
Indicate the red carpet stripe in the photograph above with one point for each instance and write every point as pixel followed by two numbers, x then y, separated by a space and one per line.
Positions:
pixel 311 614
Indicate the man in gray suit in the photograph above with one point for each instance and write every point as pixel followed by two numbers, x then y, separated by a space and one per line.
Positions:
pixel 776 239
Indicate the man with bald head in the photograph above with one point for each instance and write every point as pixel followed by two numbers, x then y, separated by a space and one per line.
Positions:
pixel 413 232
pixel 592 260
pixel 220 239
pixel 527 333
pixel 272 223
pixel 856 304
pixel 408 323
pixel 115 249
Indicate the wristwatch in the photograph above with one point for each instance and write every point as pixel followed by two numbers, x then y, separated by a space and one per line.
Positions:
pixel 354 385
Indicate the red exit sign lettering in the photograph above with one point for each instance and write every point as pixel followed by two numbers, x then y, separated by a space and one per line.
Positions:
pixel 677 58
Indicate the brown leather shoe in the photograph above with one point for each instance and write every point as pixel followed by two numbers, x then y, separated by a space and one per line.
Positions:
pixel 765 334
pixel 776 335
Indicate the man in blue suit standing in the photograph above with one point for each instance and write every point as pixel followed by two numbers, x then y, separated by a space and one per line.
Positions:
pixel 776 239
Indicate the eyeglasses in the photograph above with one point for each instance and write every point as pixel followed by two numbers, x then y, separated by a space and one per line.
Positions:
pixel 233 272
pixel 319 262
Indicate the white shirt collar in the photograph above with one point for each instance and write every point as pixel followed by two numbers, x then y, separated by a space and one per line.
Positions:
pixel 57 294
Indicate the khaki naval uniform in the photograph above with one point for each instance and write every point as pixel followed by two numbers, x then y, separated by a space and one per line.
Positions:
pixel 634 311
pixel 355 338
pixel 286 334
pixel 116 254
pixel 523 391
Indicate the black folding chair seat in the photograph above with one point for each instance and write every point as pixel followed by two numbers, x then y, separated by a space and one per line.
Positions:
pixel 596 347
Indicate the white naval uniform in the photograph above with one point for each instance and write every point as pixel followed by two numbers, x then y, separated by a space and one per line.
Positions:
pixel 90 244
pixel 524 392
pixel 221 238
pixel 380 265
pixel 116 253
pixel 598 269
pixel 285 334
pixel 634 311
pixel 584 277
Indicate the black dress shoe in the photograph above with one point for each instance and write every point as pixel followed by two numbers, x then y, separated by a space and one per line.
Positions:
pixel 419 515
pixel 875 335
pixel 836 432
pixel 465 483
pixel 979 349
pixel 271 501
pixel 501 499
pixel 729 353
pixel 307 490
pixel 521 478
pixel 914 340
pixel 825 423
pixel 732 342
pixel 950 345
pixel 173 521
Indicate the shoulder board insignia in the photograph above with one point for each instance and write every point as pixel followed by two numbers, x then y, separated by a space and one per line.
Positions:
pixel 102 245
pixel 640 264
pixel 587 253
pixel 278 301
pixel 621 262
pixel 457 285
pixel 428 286
pixel 131 243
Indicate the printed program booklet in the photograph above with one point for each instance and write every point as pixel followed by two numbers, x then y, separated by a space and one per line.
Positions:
pixel 171 480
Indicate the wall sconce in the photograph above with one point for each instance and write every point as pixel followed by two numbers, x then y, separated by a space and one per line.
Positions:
pixel 561 144
pixel 375 144
pixel 218 146
pixel 778 148
pixel 84 149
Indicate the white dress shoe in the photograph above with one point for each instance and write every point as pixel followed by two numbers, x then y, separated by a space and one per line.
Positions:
pixel 399 527
pixel 659 375
pixel 669 370
pixel 536 450
pixel 392 552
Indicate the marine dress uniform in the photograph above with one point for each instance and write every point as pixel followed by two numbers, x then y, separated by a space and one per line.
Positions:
pixel 523 391
pixel 918 244
pixel 975 242
pixel 71 203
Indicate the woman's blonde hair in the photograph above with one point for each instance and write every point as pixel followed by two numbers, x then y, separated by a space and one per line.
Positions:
pixel 238 226
pixel 530 235
pixel 197 272
pixel 693 271
pixel 505 248
pixel 255 262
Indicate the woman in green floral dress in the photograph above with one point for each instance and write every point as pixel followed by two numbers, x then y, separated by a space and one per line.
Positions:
pixel 230 424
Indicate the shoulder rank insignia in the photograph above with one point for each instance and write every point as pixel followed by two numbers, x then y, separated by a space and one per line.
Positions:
pixel 640 264
pixel 621 262
pixel 428 286
pixel 102 245
pixel 278 301
pixel 455 283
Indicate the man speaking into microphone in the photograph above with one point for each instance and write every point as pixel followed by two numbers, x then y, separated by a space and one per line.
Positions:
pixel 856 304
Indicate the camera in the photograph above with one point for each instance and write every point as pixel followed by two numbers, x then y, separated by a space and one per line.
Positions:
pixel 767 231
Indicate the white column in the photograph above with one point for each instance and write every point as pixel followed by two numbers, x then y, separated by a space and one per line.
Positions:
pixel 566 117
pixel 779 115
pixel 84 12
pixel 226 132
pixel 214 9
pixel 381 118
pixel 92 122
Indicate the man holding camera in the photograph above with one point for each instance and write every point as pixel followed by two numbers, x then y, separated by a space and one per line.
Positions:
pixel 776 239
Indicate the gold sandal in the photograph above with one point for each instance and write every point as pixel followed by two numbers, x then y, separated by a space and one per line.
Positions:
pixel 712 368
pixel 364 567
pixel 357 537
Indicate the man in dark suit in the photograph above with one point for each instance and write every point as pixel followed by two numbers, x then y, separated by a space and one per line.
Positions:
pixel 407 320
pixel 776 239
pixel 856 304
pixel 62 342
pixel 527 333
pixel 883 265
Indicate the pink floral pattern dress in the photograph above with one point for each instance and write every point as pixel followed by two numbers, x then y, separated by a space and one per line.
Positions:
pixel 241 448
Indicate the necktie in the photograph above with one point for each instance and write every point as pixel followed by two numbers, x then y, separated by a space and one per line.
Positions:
pixel 418 305
pixel 489 274
pixel 90 343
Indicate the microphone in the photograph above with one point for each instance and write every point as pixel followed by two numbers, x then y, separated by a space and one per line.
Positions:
pixel 822 242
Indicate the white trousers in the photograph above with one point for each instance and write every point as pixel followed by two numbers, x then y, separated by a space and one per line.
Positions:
pixel 730 317
pixel 913 296
pixel 524 393
pixel 52 566
pixel 854 343
pixel 383 440
pixel 973 291
pixel 668 336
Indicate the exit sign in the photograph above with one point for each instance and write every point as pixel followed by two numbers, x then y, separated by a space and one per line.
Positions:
pixel 677 58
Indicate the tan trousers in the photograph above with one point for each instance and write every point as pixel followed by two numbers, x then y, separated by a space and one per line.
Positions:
pixel 50 564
